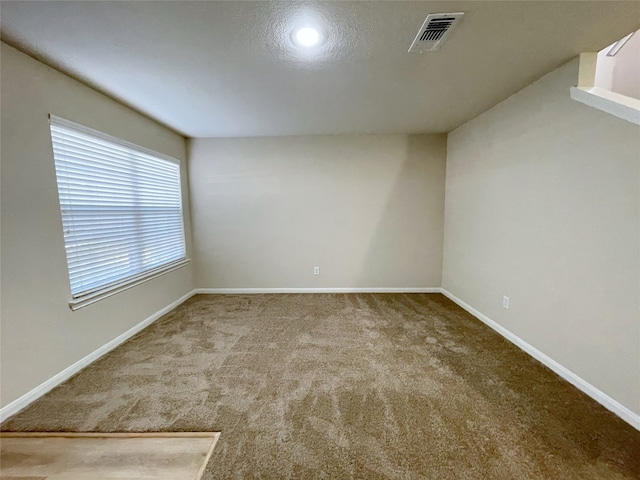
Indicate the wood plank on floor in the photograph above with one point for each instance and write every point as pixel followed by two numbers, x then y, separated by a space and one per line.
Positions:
pixel 75 456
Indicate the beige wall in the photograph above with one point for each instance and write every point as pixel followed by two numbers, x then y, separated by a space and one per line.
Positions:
pixel 41 336
pixel 368 210
pixel 543 205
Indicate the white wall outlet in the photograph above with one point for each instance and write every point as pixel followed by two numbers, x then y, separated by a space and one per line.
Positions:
pixel 316 270
pixel 505 302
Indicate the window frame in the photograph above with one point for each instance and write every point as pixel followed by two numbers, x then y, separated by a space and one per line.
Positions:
pixel 90 296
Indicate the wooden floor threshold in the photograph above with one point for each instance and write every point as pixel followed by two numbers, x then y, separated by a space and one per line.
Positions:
pixel 92 455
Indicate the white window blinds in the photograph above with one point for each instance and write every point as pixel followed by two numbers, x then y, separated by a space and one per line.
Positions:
pixel 121 209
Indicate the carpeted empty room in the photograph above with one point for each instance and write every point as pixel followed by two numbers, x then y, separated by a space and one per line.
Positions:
pixel 295 239
pixel 344 386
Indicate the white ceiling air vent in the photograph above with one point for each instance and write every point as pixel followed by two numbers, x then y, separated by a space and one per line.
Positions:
pixel 435 29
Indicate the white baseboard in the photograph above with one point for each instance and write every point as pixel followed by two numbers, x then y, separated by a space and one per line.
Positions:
pixel 319 290
pixel 602 398
pixel 20 403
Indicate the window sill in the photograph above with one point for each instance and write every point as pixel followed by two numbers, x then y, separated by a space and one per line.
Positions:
pixel 86 300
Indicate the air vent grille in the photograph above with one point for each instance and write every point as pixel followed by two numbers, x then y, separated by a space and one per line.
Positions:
pixel 434 31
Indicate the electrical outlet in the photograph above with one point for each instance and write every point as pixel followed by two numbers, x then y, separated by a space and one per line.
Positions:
pixel 505 302
pixel 316 270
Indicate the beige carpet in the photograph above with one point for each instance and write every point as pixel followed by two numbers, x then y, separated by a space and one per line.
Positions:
pixel 344 386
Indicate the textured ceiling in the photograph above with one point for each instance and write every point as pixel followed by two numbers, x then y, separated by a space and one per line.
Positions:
pixel 218 69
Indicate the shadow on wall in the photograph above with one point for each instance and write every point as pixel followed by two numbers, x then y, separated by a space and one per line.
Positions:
pixel 414 209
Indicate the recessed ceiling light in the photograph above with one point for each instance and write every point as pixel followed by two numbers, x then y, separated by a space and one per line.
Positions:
pixel 307 37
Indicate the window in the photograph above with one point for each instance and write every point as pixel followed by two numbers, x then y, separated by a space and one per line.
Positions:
pixel 121 211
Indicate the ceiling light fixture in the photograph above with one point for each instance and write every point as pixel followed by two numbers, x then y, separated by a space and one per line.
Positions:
pixel 307 37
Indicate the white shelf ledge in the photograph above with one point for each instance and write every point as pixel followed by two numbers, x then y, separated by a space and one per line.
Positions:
pixel 612 103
